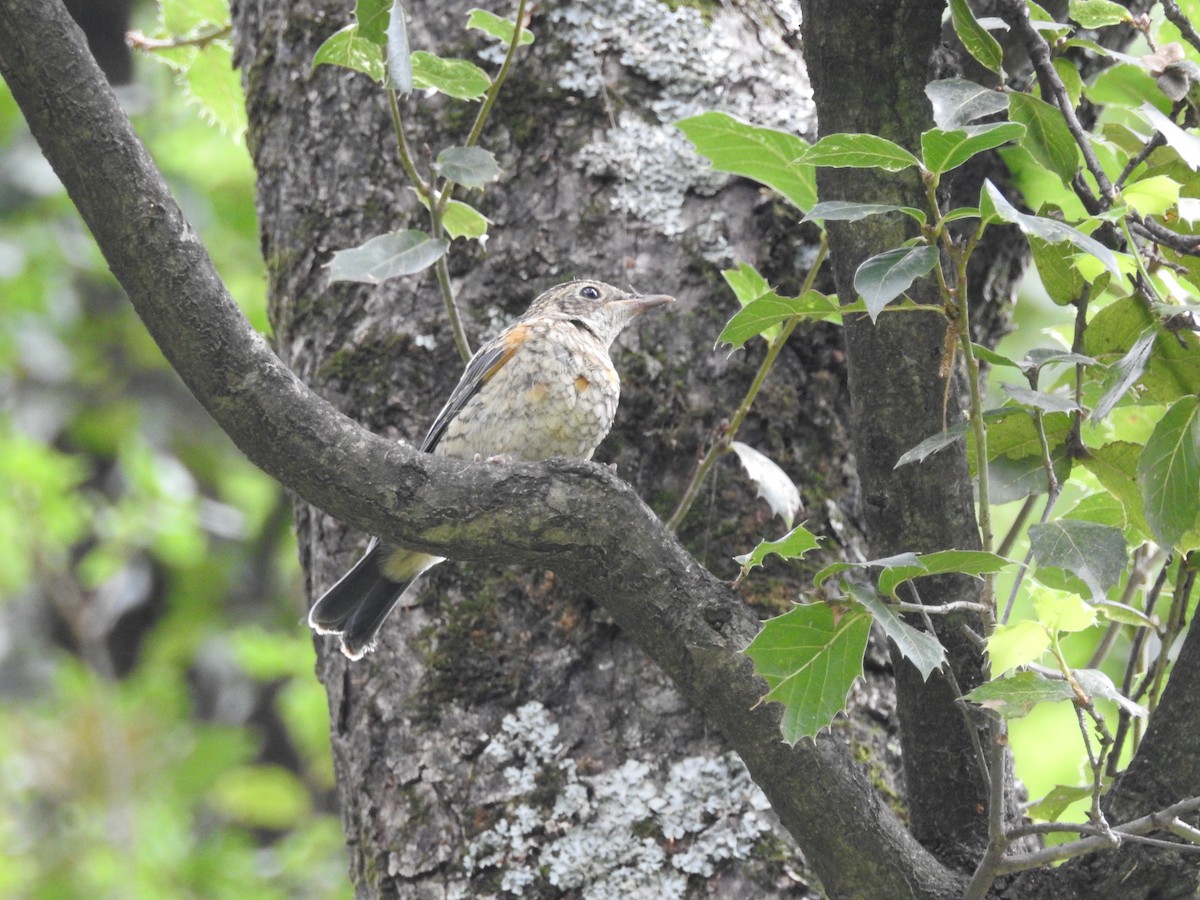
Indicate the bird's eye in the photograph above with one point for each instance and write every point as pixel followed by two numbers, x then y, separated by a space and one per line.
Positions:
pixel 589 293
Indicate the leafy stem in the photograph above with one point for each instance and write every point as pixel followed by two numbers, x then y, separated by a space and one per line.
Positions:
pixel 726 433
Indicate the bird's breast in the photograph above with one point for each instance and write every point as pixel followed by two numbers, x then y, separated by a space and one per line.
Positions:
pixel 554 397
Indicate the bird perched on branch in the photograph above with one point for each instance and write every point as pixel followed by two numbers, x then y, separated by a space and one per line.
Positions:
pixel 543 387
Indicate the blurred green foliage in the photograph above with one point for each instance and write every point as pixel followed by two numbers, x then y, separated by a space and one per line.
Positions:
pixel 161 731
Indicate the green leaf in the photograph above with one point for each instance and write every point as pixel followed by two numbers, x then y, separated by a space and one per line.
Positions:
pixel 459 78
pixel 372 19
pixel 461 220
pixel 1050 229
pixel 765 155
pixel 1152 196
pixel 1017 477
pixel 810 657
pixel 212 80
pixel 792 545
pixel 399 57
pixel 885 276
pixel 957 102
pixel 905 560
pixel 933 444
pixel 347 48
pixel 747 283
pixel 1056 268
pixel 501 29
pixel 1115 466
pixel 1186 144
pixel 920 648
pixel 1060 610
pixel 1014 696
pixel 1038 358
pixel 991 357
pixel 750 288
pixel 1125 615
pixel 1123 374
pixel 1098 684
pixel 1097 13
pixel 1096 553
pixel 942 151
pixel 848 211
pixel 763 316
pixel 1101 507
pixel 1056 401
pixel 1174 366
pixel 974 37
pixel 183 16
pixel 966 562
pixel 1055 803
pixel 471 167
pixel 772 482
pixel 387 256
pixel 1015 645
pixel 859 151
pixel 1047 136
pixel 1169 472
pixel 1069 75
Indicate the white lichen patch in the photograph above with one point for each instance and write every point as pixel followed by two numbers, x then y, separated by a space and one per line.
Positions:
pixel 631 832
pixel 654 65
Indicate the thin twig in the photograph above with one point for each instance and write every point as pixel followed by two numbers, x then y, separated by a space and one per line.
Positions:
pixel 139 41
pixel 1176 17
pixel 1016 14
pixel 1128 831
pixel 721 441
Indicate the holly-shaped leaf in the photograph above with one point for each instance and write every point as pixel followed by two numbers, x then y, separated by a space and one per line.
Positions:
pixel 920 648
pixel 810 657
pixel 772 482
pixel 792 545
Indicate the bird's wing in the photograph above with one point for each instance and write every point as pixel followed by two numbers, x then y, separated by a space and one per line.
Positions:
pixel 489 359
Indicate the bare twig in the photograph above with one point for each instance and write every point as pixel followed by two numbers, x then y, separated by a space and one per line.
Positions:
pixel 139 41
pixel 1132 830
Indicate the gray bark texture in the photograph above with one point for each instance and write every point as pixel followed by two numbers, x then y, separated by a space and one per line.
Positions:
pixel 510 735
pixel 507 691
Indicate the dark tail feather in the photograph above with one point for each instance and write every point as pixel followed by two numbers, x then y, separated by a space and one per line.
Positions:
pixel 358 604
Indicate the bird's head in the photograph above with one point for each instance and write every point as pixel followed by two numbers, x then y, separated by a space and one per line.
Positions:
pixel 600 308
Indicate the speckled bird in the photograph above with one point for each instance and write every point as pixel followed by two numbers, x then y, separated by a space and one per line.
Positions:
pixel 544 387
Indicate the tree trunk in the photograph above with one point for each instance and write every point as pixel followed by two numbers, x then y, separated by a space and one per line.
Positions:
pixel 505 691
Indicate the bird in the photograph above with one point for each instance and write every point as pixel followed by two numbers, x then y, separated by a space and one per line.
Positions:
pixel 544 387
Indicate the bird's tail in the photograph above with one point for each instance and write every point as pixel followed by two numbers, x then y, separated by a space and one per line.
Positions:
pixel 357 605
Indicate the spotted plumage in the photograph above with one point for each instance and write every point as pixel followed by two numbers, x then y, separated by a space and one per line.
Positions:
pixel 544 387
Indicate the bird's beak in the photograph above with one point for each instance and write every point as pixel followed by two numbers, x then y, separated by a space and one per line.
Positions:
pixel 639 303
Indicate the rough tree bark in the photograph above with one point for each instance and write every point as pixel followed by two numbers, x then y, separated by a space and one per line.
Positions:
pixel 506 729
pixel 598 184
pixel 899 398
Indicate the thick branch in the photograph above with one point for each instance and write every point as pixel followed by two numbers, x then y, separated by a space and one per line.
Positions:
pixel 593 527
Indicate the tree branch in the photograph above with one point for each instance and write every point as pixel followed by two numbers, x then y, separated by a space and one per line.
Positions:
pixel 580 516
